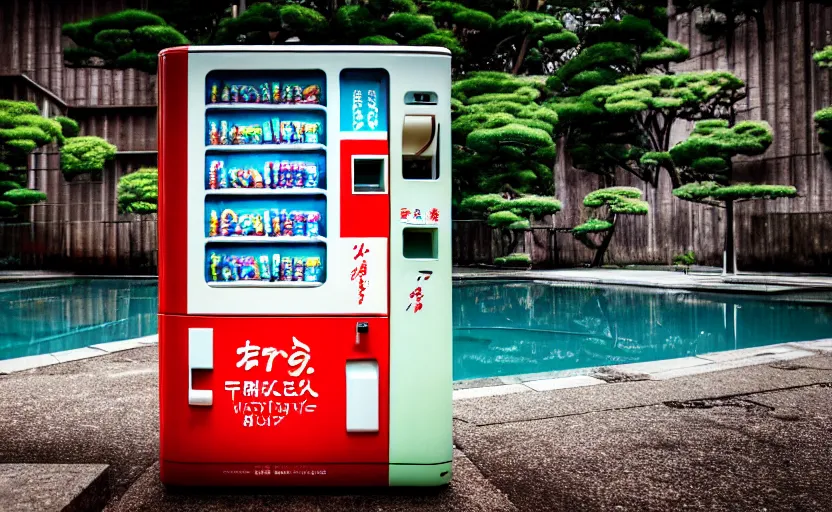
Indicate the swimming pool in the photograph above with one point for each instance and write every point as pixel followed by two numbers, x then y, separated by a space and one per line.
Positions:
pixel 41 317
pixel 511 328
pixel 500 327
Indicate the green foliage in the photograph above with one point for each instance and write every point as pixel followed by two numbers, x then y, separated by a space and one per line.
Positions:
pixel 823 58
pixel 407 26
pixel 503 219
pixel 138 192
pixel 5 186
pixel 443 38
pixel 24 196
pixel 709 190
pixel 592 225
pixel 823 117
pixel 620 200
pixel 85 154
pixel 69 127
pixel 377 40
pixel 7 209
pixel 514 260
pixel 706 155
pixel 685 259
pixel 481 204
pixel 503 135
pixel 125 39
pixel 527 206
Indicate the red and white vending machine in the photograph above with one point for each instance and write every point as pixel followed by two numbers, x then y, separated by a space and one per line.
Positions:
pixel 305 265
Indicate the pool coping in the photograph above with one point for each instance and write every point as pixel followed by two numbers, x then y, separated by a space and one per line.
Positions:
pixel 650 370
pixel 19 364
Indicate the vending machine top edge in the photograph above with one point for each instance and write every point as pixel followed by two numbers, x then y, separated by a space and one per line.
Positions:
pixel 305 265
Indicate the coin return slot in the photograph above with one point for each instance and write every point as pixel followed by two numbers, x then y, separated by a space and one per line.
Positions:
pixel 420 243
pixel 368 174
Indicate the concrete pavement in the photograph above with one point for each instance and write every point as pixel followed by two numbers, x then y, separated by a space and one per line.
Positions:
pixel 756 437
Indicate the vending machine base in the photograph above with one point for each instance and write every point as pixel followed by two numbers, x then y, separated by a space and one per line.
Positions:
pixel 306 475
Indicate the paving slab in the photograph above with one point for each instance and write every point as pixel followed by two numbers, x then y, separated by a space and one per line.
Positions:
pixel 468 491
pixel 539 405
pixel 650 367
pixel 733 363
pixel 563 383
pixel 465 394
pixel 20 364
pixel 53 487
pixel 76 354
pixel 78 413
pixel 719 455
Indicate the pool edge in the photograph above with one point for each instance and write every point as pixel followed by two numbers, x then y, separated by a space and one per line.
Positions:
pixel 650 370
pixel 19 364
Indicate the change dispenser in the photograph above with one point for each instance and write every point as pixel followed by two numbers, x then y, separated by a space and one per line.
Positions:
pixel 305 266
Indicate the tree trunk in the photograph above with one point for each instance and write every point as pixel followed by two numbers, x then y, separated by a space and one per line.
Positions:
pixel 521 55
pixel 729 238
pixel 605 243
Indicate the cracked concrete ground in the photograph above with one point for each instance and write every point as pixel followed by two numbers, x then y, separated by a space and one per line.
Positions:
pixel 752 438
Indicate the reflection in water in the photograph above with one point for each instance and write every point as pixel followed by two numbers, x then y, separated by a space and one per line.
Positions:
pixel 50 316
pixel 508 328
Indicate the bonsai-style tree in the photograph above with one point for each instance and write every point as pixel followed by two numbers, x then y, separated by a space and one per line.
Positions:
pixel 823 117
pixel 23 130
pixel 138 192
pixel 125 39
pixel 705 161
pixel 532 40
pixel 616 201
pixel 502 136
pixel 512 217
pixel 81 155
pixel 266 23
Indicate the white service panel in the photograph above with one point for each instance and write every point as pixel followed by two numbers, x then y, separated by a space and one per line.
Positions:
pixel 362 396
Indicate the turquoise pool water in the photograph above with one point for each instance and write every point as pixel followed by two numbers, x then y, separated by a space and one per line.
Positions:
pixel 39 317
pixel 500 327
pixel 510 328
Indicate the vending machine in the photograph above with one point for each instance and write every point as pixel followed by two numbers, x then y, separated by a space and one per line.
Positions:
pixel 305 265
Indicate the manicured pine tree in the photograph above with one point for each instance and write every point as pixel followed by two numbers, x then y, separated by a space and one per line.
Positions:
pixel 705 162
pixel 125 39
pixel 611 203
pixel 23 130
pixel 138 192
pixel 823 117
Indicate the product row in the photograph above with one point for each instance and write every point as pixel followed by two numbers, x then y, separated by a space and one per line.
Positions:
pixel 249 268
pixel 266 92
pixel 273 131
pixel 284 174
pixel 271 222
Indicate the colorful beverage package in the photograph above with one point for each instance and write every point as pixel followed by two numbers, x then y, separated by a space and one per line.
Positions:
pixel 225 95
pixel 300 174
pixel 290 174
pixel 265 94
pixel 275 92
pixel 267 132
pixel 231 270
pixel 282 174
pixel 313 270
pixel 258 134
pixel 264 268
pixel 297 94
pixel 312 223
pixel 297 271
pixel 275 267
pixel 275 220
pixel 213 134
pixel 234 135
pixel 286 269
pixel 275 130
pixel 245 94
pixel 267 175
pixel 234 94
pixel 267 223
pixel 214 262
pixel 224 135
pixel 311 176
pixel 288 132
pixel 310 132
pixel 311 94
pixel 212 175
pixel 248 268
pixel 213 224
pixel 215 92
pixel 298 223
pixel 286 225
pixel 287 94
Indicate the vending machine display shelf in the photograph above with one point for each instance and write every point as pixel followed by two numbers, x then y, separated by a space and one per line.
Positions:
pixel 263 284
pixel 266 239
pixel 228 148
pixel 299 107
pixel 297 191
